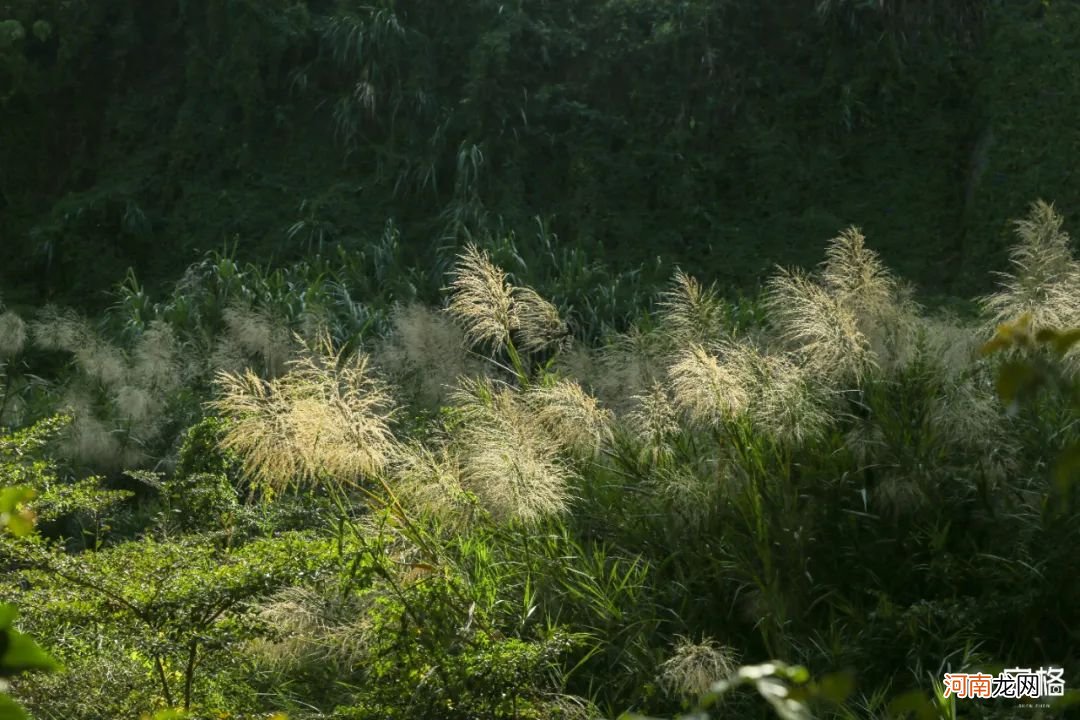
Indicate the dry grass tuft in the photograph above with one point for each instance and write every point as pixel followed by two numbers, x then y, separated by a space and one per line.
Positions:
pixel 694 667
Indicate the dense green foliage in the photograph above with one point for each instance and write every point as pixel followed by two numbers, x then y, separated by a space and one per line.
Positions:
pixel 485 510
pixel 348 369
pixel 719 133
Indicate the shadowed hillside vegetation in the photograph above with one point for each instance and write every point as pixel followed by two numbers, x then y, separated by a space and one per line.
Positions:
pixel 645 134
pixel 255 496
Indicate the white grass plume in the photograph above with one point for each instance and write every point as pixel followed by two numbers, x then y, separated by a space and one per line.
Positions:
pixel 157 362
pixel 539 324
pixel 653 420
pixel 424 353
pixel 12 334
pixel 482 300
pixel 508 459
pixel 708 389
pixel 691 312
pixel 851 318
pixel 258 334
pixel 1044 278
pixel 571 416
pixel 494 313
pixel 819 327
pixel 327 419
pixel 629 365
pixel 428 479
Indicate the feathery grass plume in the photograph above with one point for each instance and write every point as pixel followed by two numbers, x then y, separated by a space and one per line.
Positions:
pixel 342 411
pixel 261 431
pixel 482 300
pixel 578 362
pixel 313 627
pixel 788 405
pixel 821 329
pixel 93 440
pixel 654 422
pixel 260 335
pixel 327 418
pixel 708 390
pixel 538 323
pixel 425 353
pixel 898 495
pixel 12 334
pixel 968 413
pixel 691 312
pixel 508 459
pixel 1044 279
pixel 952 345
pixel 573 418
pixel 226 355
pixel 430 481
pixel 157 361
pixel 138 406
pixel 630 365
pixel 694 666
pixel 58 329
pixel 691 495
pixel 103 361
pixel 855 275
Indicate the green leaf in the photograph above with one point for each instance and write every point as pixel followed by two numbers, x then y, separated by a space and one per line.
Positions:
pixel 14 516
pixel 1016 381
pixel 11 710
pixel 836 687
pixel 1067 468
pixel 19 652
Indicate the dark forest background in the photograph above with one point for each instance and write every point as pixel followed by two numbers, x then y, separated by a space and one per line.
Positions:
pixel 726 135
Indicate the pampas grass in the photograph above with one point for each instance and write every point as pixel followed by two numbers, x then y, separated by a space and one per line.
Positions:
pixel 494 313
pixel 691 312
pixel 482 300
pixel 12 335
pixel 257 334
pixel 508 458
pixel 1044 280
pixel 708 389
pixel 572 417
pixel 424 353
pixel 327 418
pixel 429 479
